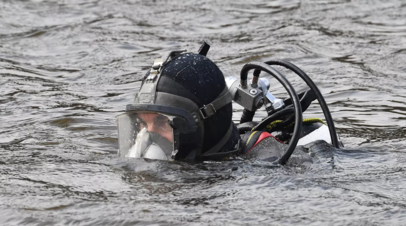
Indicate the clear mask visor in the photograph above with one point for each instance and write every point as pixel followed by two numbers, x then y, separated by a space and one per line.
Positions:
pixel 145 135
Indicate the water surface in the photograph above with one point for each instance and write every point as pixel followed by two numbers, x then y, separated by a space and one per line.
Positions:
pixel 67 68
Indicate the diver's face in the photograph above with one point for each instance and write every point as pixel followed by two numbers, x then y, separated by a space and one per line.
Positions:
pixel 156 123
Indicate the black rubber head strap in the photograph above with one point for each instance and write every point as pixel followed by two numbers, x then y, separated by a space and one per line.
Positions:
pixel 221 143
pixel 210 109
pixel 147 93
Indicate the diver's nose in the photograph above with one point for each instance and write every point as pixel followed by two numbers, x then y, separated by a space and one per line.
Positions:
pixel 151 127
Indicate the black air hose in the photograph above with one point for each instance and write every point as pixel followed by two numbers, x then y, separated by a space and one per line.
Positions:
pixel 295 99
pixel 310 83
pixel 247 116
pixel 275 116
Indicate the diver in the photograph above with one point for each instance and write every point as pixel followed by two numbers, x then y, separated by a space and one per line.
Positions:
pixel 183 111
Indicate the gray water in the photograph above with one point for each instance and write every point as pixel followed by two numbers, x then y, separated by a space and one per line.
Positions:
pixel 67 68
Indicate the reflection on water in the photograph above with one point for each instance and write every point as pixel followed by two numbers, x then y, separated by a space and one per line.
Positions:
pixel 67 68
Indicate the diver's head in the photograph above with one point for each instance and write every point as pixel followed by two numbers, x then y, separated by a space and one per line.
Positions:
pixel 186 101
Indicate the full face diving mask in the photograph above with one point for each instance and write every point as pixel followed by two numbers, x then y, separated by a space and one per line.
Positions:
pixel 160 125
pixel 147 134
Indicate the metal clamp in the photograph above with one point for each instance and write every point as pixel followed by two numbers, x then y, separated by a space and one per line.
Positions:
pixel 155 70
pixel 207 111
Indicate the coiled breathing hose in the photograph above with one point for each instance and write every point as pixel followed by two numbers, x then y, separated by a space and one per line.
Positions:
pixel 310 83
pixel 258 66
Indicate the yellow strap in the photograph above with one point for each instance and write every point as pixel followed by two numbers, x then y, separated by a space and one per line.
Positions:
pixel 308 120
pixel 249 138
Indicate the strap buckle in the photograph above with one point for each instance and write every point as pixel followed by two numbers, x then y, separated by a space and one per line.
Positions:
pixel 207 111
